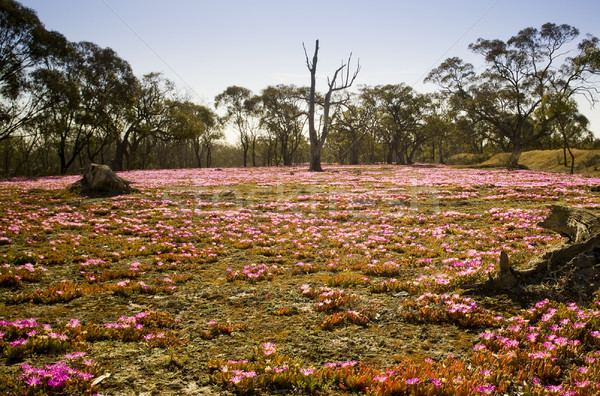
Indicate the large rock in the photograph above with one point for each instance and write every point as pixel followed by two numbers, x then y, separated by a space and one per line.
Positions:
pixel 101 179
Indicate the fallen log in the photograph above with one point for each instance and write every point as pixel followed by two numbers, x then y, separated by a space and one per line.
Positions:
pixel 579 254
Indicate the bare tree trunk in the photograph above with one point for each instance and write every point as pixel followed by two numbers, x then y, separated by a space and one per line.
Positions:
pixel 317 140
pixel 315 154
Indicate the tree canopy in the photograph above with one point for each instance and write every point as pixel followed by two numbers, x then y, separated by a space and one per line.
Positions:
pixel 64 104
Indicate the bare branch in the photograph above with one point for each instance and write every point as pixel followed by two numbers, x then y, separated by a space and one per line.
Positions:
pixel 311 66
pixel 306 56
pixel 345 80
pixel 331 83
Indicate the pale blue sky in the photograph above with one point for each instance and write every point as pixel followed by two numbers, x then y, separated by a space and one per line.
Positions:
pixel 206 46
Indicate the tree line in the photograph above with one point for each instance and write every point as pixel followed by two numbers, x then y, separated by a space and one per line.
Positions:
pixel 65 104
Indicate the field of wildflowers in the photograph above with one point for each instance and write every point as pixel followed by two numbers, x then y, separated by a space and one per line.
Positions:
pixel 274 280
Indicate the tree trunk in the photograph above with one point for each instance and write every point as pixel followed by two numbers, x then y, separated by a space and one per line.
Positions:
pixel 315 153
pixel 117 162
pixel 254 151
pixel 315 159
pixel 208 156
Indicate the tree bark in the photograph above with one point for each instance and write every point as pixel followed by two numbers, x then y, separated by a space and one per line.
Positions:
pixel 100 179
pixel 581 250
pixel 315 159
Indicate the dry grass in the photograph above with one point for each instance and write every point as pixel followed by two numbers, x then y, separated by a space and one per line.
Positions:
pixel 587 162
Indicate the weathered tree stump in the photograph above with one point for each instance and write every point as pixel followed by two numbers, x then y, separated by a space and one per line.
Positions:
pixel 100 179
pixel 574 262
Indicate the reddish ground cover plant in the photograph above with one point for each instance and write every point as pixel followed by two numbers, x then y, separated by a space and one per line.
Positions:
pixel 269 280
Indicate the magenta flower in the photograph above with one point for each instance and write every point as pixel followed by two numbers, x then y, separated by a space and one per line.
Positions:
pixel 85 376
pixel 33 380
pixel 73 323
pixel 539 355
pixel 236 379
pixel 412 381
pixel 20 341
pixel 269 348
pixel 486 389
pixel 55 383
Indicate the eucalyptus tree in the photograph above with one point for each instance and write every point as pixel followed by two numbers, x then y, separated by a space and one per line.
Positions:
pixel 354 130
pixel 284 117
pixel 243 112
pixel 519 73
pixel 58 86
pixel 24 45
pixel 560 114
pixel 108 96
pixel 86 92
pixel 340 81
pixel 212 133
pixel 149 115
pixel 401 113
pixel 197 125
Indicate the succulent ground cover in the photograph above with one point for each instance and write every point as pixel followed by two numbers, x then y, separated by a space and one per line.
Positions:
pixel 274 280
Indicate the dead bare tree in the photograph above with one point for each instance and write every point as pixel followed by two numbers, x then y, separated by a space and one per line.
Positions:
pixel 318 137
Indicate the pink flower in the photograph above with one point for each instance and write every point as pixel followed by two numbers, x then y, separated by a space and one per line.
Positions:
pixel 33 381
pixel 554 388
pixel 532 337
pixel 269 348
pixel 20 341
pixel 236 379
pixel 73 323
pixel 486 389
pixel 55 382
pixel 85 376
pixel 412 381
